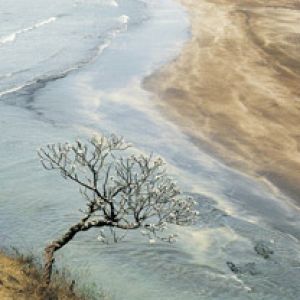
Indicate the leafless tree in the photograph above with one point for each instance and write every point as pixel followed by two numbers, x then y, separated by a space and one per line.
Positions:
pixel 122 192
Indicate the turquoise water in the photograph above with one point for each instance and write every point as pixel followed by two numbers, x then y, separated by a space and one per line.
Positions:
pixel 72 68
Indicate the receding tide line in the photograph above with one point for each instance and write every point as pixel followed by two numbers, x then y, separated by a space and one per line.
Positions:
pixel 12 37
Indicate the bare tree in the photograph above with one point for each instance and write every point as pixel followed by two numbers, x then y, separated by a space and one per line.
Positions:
pixel 122 192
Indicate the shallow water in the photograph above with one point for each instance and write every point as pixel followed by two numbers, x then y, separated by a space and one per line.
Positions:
pixel 71 89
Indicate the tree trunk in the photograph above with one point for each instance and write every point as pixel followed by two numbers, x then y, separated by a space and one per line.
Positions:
pixel 62 241
pixel 49 260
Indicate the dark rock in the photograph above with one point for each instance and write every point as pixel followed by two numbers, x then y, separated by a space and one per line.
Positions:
pixel 233 267
pixel 262 249
pixel 248 268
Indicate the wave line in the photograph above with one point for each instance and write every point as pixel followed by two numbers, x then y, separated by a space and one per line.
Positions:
pixel 12 36
pixel 98 50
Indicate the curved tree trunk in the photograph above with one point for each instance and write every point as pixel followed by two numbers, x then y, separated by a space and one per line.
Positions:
pixel 62 241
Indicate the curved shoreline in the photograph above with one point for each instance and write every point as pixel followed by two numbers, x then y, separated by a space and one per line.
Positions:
pixel 238 77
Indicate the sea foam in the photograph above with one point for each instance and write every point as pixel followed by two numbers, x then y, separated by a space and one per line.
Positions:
pixel 124 19
pixel 12 37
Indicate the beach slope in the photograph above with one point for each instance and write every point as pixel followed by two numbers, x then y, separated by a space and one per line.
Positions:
pixel 235 87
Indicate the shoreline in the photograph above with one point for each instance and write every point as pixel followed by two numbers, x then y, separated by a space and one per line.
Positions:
pixel 238 77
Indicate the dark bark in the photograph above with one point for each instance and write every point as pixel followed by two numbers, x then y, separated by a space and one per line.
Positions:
pixel 62 241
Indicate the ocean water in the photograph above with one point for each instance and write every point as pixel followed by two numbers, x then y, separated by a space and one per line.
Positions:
pixel 69 69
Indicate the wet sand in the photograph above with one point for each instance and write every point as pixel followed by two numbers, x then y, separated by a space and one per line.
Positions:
pixel 235 88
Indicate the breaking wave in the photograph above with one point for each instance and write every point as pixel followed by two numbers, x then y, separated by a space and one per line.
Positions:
pixel 39 82
pixel 12 37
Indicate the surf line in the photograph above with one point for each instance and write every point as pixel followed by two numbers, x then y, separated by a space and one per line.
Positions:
pixel 42 81
pixel 12 37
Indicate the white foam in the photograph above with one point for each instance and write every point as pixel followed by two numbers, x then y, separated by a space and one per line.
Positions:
pixel 241 282
pixel 8 38
pixel 102 47
pixel 42 23
pixel 124 19
pixel 114 3
pixel 12 37
pixel 14 89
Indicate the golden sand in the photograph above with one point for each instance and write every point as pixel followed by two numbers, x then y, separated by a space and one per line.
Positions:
pixel 235 88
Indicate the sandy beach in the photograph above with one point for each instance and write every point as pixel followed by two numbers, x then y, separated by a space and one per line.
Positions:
pixel 235 87
pixel 226 91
